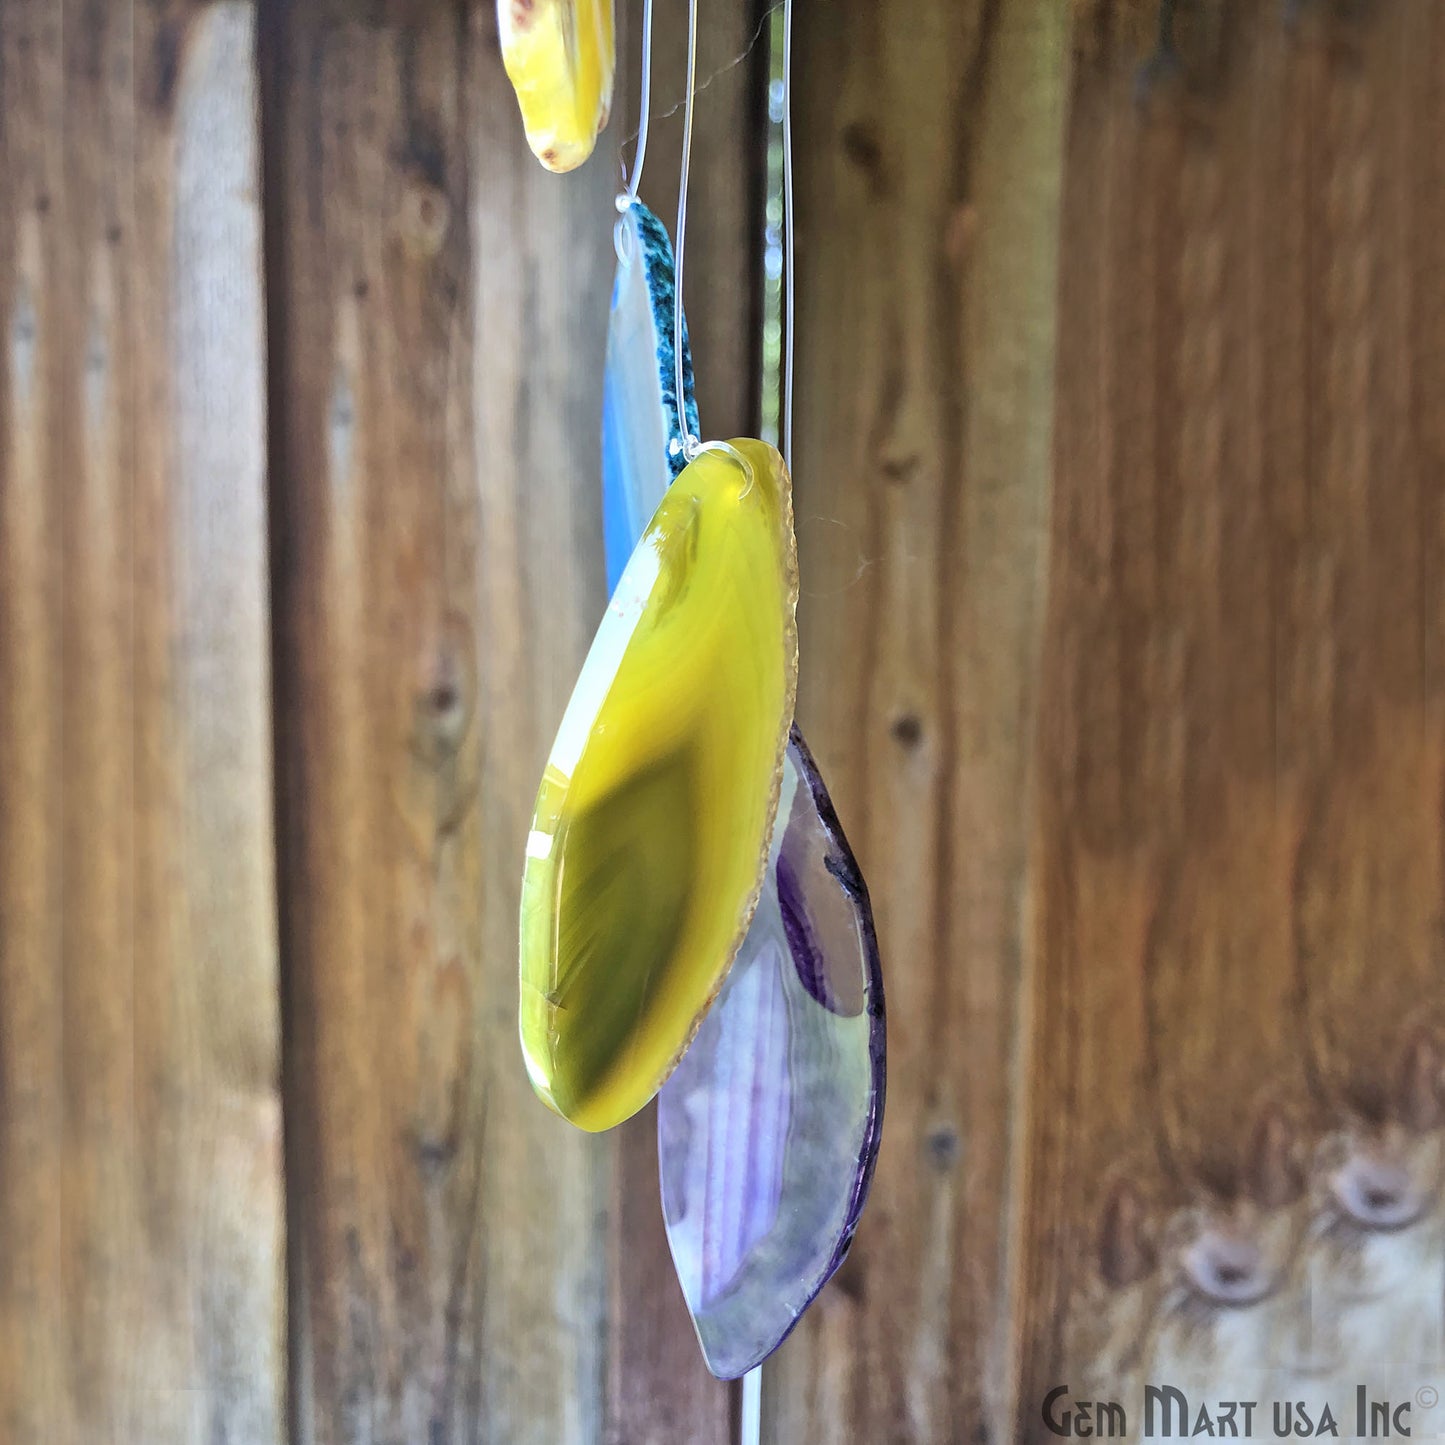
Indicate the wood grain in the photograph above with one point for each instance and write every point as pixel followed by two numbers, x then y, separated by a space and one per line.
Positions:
pixel 438 309
pixel 1238 987
pixel 929 143
pixel 32 1314
pixel 541 268
pixel 141 1246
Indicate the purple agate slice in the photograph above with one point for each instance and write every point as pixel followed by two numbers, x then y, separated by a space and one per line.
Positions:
pixel 768 1129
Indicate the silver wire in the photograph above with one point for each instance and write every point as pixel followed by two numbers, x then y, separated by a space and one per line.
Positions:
pixel 750 1418
pixel 728 450
pixel 689 441
pixel 788 233
pixel 627 197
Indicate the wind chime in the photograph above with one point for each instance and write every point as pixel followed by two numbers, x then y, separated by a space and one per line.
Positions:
pixel 694 926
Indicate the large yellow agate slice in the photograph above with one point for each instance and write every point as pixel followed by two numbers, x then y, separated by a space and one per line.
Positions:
pixel 559 56
pixel 651 831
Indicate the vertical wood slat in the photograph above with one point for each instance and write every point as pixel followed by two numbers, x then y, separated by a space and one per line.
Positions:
pixel 32 1317
pixel 438 314
pixel 1236 1045
pixel 541 266
pixel 659 1391
pixel 140 1150
pixel 929 151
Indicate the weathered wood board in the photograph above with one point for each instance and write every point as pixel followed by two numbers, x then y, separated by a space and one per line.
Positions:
pixel 141 1211
pixel 438 316
pixel 929 144
pixel 1232 1142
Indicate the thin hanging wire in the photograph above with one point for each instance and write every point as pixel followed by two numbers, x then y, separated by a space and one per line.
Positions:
pixel 690 443
pixel 750 1417
pixel 627 197
pixel 788 233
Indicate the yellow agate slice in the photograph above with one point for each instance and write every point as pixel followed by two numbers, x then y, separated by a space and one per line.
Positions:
pixel 559 56
pixel 652 824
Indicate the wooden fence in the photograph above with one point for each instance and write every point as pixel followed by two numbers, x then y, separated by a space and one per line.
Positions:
pixel 1121 501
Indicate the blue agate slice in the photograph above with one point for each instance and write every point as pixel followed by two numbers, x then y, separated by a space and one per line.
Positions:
pixel 768 1129
pixel 641 429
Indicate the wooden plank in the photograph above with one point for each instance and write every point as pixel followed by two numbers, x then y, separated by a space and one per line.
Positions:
pixel 437 322
pixel 1233 1134
pixel 659 1391
pixel 929 145
pixel 541 264
pixel 141 1290
pixel 33 1380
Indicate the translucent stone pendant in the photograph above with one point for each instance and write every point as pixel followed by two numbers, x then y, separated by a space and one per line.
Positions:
pixel 768 1130
pixel 653 821
pixel 560 56
pixel 641 428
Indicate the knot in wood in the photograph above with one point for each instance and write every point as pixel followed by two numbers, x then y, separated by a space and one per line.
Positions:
pixel 425 215
pixel 443 701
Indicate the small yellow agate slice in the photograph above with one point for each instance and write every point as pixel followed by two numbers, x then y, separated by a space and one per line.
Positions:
pixel 652 824
pixel 559 56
